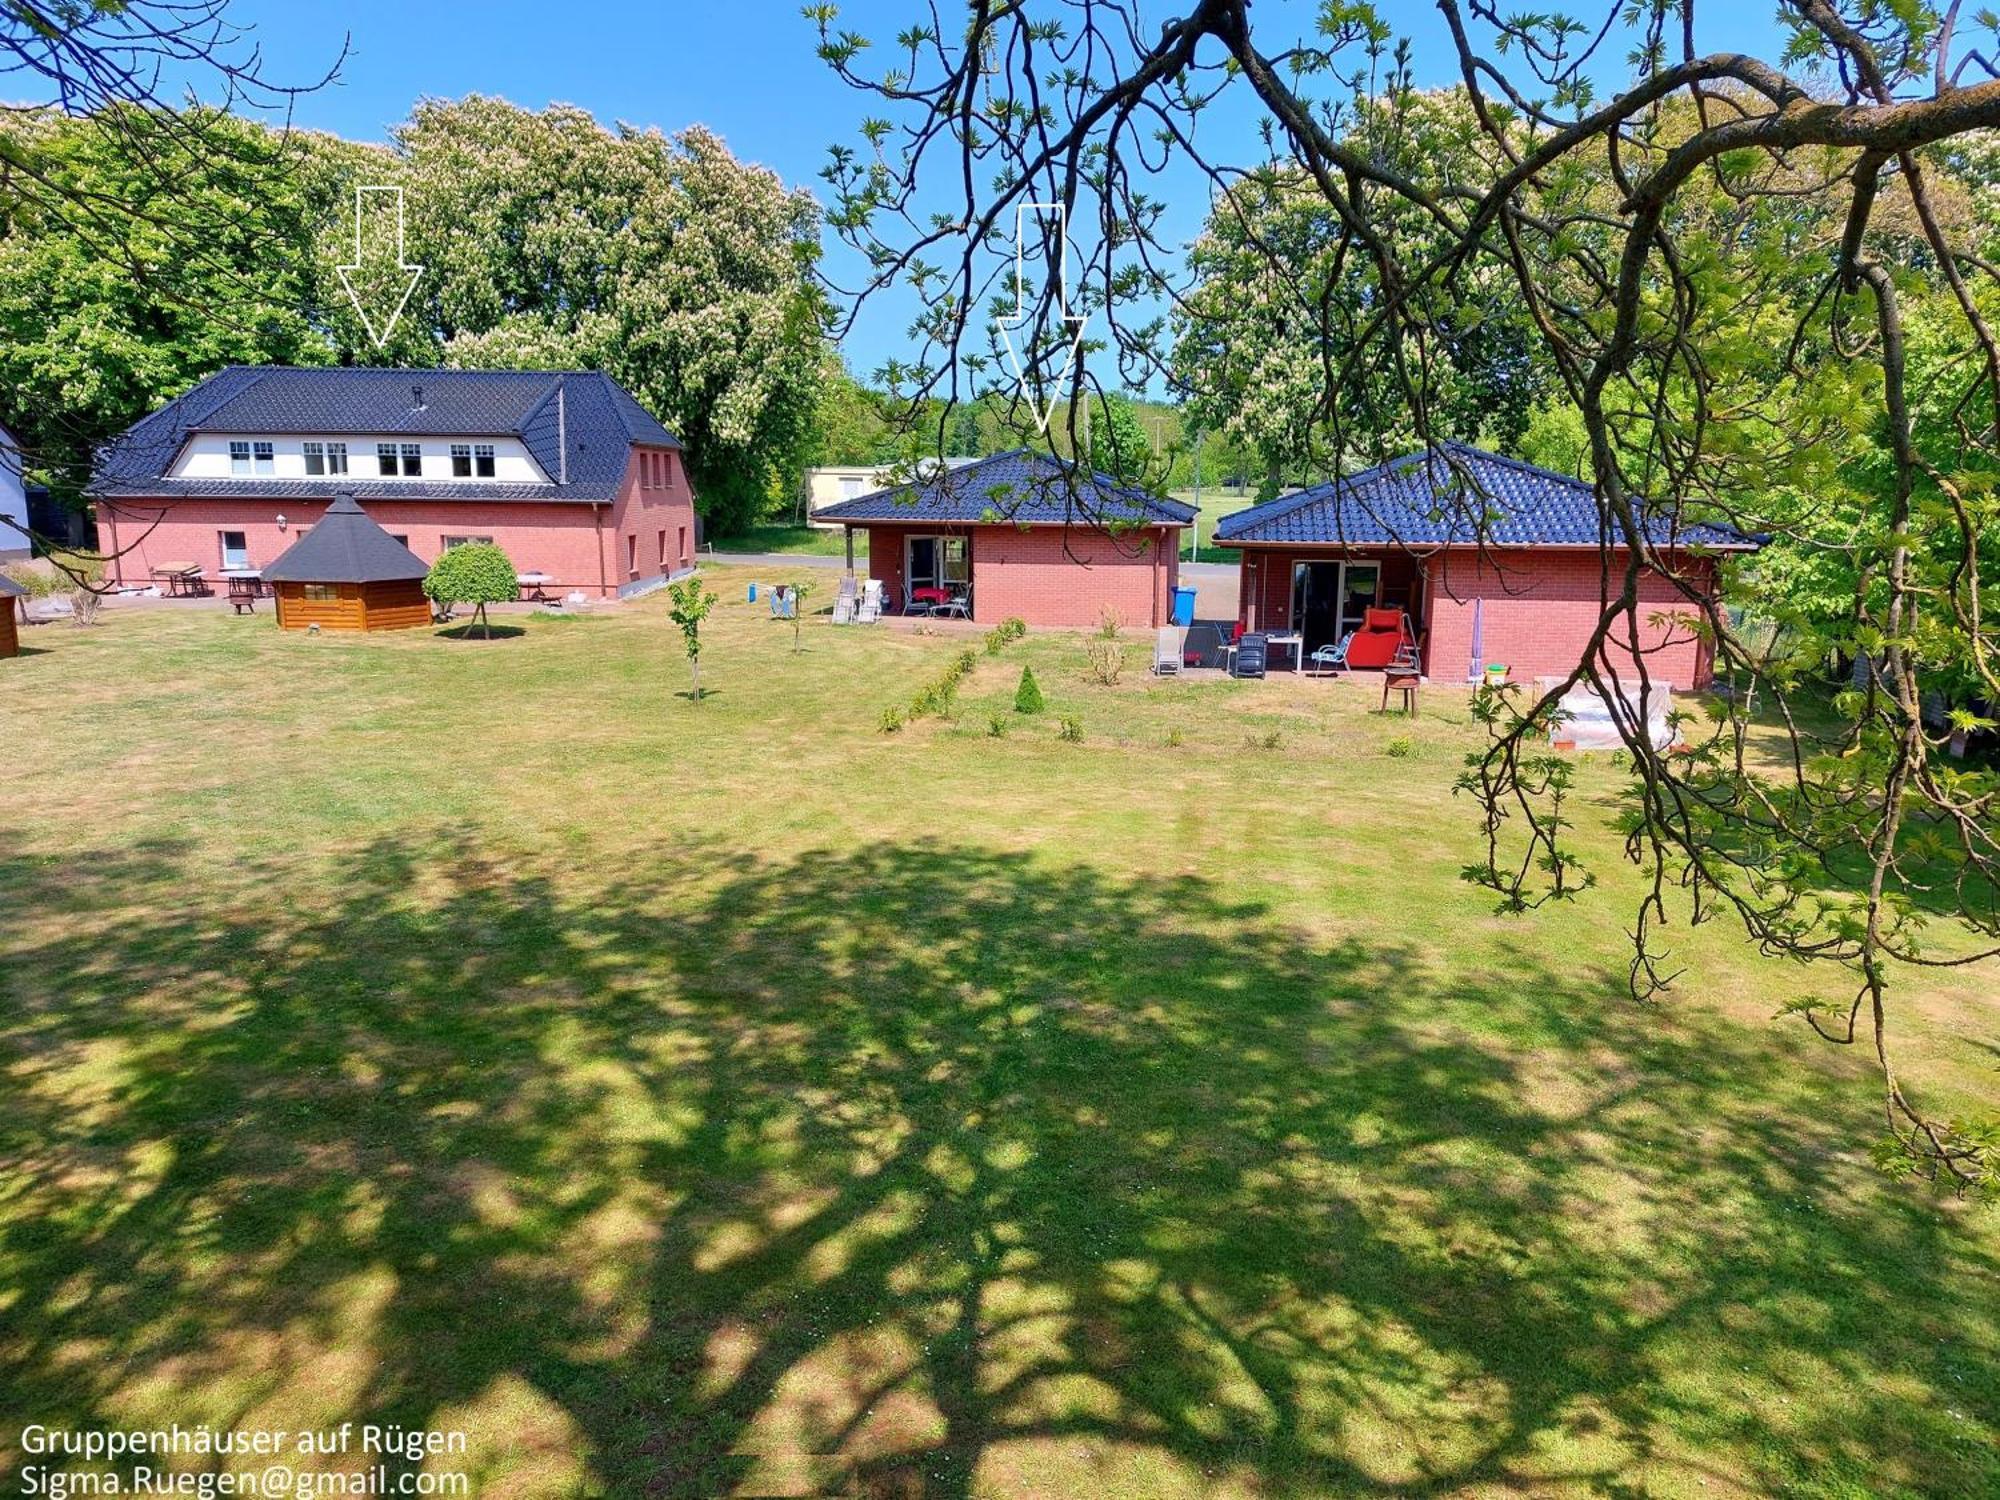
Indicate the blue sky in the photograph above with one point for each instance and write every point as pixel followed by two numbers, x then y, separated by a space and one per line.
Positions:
pixel 744 68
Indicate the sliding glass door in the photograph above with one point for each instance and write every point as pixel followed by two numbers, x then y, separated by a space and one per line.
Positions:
pixel 1329 598
pixel 938 562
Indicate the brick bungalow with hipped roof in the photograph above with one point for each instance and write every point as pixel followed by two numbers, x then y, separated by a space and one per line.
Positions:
pixel 564 470
pixel 1469 544
pixel 1029 535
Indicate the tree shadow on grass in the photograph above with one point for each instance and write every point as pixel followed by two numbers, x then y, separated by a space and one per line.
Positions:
pixel 923 1170
pixel 473 632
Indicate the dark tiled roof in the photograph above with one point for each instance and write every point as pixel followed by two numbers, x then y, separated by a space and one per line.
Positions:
pixel 345 546
pixel 1022 488
pixel 1452 495
pixel 600 417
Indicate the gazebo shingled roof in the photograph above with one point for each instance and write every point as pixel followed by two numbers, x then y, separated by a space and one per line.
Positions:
pixel 346 546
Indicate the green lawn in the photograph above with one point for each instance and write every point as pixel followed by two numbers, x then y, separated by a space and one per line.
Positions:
pixel 1214 504
pixel 815 540
pixel 691 1100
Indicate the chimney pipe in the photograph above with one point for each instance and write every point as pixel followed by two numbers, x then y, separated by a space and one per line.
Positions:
pixel 417 391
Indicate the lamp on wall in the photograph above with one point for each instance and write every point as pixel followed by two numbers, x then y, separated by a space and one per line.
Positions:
pixel 282 522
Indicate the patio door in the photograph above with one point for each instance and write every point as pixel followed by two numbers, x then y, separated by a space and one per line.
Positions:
pixel 1328 598
pixel 938 562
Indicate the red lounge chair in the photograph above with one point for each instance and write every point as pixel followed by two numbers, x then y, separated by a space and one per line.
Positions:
pixel 1383 634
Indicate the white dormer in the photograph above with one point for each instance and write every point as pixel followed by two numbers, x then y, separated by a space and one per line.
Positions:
pixel 345 460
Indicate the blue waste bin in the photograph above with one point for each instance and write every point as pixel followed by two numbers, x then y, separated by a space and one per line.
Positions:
pixel 1184 604
pixel 753 593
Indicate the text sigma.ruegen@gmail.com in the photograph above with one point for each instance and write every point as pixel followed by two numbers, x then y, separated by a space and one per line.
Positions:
pixel 61 1463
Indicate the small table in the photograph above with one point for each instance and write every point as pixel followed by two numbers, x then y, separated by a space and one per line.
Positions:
pixel 536 585
pixel 932 597
pixel 1404 679
pixel 1297 644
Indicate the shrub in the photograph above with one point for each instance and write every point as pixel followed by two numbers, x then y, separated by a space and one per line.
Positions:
pixel 997 726
pixel 1028 696
pixel 1400 746
pixel 477 573
pixel 1069 727
pixel 1010 629
pixel 1107 659
pixel 83 606
pixel 1270 739
pixel 1109 623
pixel 40 583
pixel 1175 739
pixel 892 719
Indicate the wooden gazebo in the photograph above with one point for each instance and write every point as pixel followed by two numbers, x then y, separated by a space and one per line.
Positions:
pixel 347 573
pixel 10 633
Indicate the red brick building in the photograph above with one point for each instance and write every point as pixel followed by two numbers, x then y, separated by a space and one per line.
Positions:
pixel 1492 560
pixel 1026 535
pixel 563 470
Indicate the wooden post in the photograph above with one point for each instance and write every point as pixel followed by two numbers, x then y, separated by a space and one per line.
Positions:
pixel 849 530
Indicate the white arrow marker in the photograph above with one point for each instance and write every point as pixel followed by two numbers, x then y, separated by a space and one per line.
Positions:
pixel 407 274
pixel 1075 320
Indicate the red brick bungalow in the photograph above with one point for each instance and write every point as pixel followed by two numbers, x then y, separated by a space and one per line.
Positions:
pixel 1023 534
pixel 564 470
pixel 1401 536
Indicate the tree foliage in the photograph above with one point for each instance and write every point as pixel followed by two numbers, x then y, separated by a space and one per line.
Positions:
pixel 476 573
pixel 1765 287
pixel 688 604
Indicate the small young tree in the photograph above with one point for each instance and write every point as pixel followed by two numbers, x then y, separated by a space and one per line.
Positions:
pixel 1028 696
pixel 801 591
pixel 477 573
pixel 688 605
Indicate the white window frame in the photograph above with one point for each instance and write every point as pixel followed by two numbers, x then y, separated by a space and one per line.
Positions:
pixel 485 463
pixel 336 458
pixel 315 454
pixel 239 456
pixel 264 456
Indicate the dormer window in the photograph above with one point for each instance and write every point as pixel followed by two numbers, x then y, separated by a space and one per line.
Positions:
pixel 470 459
pixel 326 458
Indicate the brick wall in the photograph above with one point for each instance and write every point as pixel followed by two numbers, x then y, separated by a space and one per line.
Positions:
pixel 586 547
pixel 1050 576
pixel 1538 607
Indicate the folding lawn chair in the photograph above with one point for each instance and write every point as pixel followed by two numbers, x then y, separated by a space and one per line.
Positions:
pixel 1167 651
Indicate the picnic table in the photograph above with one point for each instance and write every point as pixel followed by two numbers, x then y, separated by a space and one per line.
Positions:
pixel 535 588
pixel 182 579
pixel 930 596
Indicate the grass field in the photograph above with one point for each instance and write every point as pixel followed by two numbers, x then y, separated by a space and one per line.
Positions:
pixel 813 540
pixel 685 1100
